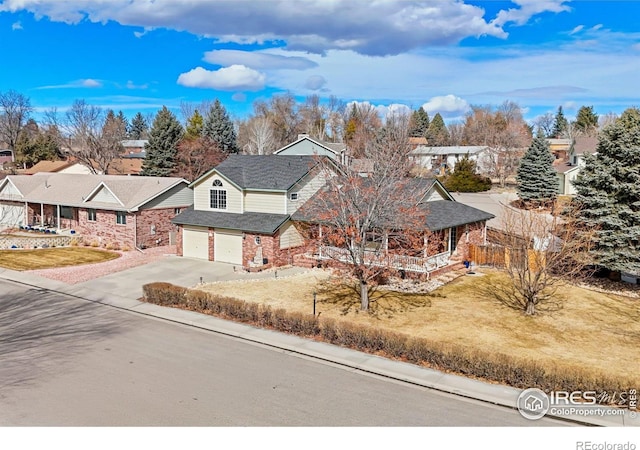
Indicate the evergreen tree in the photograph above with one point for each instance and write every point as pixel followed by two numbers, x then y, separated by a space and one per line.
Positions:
pixel 437 134
pixel 586 120
pixel 139 129
pixel 607 202
pixel 219 129
pixel 560 125
pixel 537 179
pixel 194 126
pixel 419 125
pixel 465 179
pixel 161 149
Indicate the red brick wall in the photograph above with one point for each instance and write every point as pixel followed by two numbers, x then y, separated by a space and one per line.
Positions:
pixel 160 219
pixel 105 230
pixel 271 250
pixel 179 241
pixel 212 247
pixel 468 234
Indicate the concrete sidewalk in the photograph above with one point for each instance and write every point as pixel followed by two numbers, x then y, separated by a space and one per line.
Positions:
pixel 122 290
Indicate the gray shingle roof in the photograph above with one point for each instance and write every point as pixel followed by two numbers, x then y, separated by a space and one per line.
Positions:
pixel 269 172
pixel 443 214
pixel 251 222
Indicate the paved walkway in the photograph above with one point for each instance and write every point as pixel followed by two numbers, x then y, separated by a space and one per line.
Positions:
pixel 123 289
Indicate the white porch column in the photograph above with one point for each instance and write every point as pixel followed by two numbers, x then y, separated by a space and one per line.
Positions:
pixel 41 215
pixel 58 216
pixel 426 245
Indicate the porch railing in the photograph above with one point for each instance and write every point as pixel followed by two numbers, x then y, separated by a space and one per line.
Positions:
pixel 398 262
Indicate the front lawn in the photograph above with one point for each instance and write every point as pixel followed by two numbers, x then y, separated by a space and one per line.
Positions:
pixel 594 331
pixel 48 258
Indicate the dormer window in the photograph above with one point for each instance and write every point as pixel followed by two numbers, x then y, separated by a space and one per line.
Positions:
pixel 217 196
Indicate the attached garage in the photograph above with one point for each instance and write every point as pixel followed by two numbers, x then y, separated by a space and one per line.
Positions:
pixel 228 247
pixel 195 242
pixel 11 215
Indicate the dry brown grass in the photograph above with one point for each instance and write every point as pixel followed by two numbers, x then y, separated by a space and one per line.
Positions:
pixel 47 258
pixel 593 331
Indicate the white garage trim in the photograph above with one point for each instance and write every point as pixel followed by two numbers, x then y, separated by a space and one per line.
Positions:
pixel 195 242
pixel 228 246
pixel 11 215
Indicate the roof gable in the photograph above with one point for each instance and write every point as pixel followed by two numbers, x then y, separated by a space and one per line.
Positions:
pixel 8 189
pixel 335 148
pixel 103 194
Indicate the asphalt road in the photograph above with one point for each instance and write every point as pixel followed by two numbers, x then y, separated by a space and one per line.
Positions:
pixel 70 362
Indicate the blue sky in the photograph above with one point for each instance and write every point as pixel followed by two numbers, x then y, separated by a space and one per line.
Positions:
pixel 138 55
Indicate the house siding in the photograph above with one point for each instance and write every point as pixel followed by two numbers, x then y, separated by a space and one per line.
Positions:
pixel 434 194
pixel 305 189
pixel 290 237
pixel 265 202
pixel 306 147
pixel 9 192
pixel 201 196
pixel 177 197
pixel 104 196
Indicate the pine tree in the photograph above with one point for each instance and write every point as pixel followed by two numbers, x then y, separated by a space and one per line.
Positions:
pixel 560 125
pixel 608 195
pixel 537 179
pixel 587 120
pixel 194 126
pixel 465 179
pixel 164 137
pixel 437 134
pixel 219 129
pixel 139 129
pixel 419 125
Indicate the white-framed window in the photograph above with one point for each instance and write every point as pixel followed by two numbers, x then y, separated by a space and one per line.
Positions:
pixel 177 210
pixel 217 196
pixel 257 240
pixel 121 217
pixel 293 196
pixel 66 212
pixel 91 215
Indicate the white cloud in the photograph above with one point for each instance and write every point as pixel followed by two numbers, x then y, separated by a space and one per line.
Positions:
pixel 131 85
pixel 233 78
pixel 383 27
pixel 528 9
pixel 577 29
pixel 84 83
pixel 239 97
pixel 258 60
pixel 16 26
pixel 315 82
pixel 449 105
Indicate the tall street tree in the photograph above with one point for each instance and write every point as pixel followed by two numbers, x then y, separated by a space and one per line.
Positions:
pixel 219 129
pixel 560 125
pixel 437 134
pixel 608 195
pixel 15 109
pixel 586 121
pixel 164 137
pixel 419 123
pixel 138 129
pixel 537 179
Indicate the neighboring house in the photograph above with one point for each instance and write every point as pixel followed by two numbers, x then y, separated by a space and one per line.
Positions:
pixel 560 147
pixel 415 142
pixel 127 211
pixel 134 146
pixel 6 157
pixel 568 168
pixel 68 166
pixel 241 210
pixel 247 212
pixel 441 160
pixel 309 146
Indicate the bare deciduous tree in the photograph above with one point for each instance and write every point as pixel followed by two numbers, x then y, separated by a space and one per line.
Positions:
pixel 542 252
pixel 14 113
pixel 353 210
pixel 260 137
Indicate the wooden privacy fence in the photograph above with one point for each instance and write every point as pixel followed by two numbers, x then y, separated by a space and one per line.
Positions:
pixel 487 255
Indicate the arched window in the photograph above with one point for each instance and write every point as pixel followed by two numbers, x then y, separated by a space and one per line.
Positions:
pixel 217 196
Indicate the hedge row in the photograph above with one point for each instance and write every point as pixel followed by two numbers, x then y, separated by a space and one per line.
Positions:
pixel 451 358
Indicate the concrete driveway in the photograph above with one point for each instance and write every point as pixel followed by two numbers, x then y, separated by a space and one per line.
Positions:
pixel 177 270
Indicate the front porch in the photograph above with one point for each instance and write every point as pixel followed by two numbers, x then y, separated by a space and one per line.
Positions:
pixel 417 264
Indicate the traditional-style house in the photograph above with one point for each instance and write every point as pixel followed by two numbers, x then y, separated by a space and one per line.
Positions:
pixel 127 211
pixel 247 212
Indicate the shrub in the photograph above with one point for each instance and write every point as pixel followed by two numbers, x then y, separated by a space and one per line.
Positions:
pixel 164 294
pixel 95 243
pixel 74 242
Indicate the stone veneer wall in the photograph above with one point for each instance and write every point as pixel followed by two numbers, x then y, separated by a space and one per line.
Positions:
pixel 35 242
